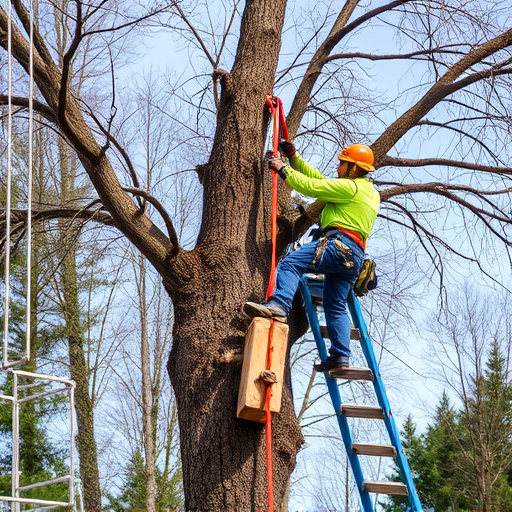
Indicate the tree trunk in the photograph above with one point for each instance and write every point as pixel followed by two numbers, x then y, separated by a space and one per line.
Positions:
pixel 224 461
pixel 79 369
pixel 147 394
pixel 223 458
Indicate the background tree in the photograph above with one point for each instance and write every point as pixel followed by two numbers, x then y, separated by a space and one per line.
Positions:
pixel 463 460
pixel 463 51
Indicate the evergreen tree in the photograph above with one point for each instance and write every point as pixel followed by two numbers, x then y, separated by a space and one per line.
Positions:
pixel 132 497
pixel 487 417
pixel 413 446
pixel 433 459
pixel 442 483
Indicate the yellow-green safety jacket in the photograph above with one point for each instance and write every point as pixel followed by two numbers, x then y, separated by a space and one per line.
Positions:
pixel 351 203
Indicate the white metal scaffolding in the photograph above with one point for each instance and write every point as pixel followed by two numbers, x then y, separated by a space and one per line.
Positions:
pixel 45 382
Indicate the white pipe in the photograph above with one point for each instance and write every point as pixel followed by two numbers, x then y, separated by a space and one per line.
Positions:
pixel 5 358
pixel 30 181
pixel 48 482
pixel 72 422
pixel 42 394
pixel 44 376
pixel 15 480
pixel 33 501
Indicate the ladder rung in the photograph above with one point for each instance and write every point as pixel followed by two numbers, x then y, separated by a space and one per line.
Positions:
pixel 386 488
pixel 354 333
pixel 362 411
pixel 352 373
pixel 377 450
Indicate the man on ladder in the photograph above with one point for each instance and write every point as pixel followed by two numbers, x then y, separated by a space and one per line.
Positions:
pixel 352 203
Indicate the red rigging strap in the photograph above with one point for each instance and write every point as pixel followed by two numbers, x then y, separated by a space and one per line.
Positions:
pixel 279 130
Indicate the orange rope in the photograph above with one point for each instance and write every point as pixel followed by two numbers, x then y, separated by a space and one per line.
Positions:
pixel 279 124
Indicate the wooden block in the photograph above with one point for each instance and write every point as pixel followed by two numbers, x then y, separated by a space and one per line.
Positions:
pixel 251 396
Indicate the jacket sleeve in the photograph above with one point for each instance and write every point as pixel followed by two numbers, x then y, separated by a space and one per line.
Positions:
pixel 300 165
pixel 329 190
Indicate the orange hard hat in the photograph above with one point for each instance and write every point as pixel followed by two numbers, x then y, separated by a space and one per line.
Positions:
pixel 360 154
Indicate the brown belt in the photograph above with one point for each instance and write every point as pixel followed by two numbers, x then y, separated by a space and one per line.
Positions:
pixel 354 235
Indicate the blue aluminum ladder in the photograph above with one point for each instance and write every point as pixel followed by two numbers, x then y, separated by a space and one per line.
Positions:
pixel 311 286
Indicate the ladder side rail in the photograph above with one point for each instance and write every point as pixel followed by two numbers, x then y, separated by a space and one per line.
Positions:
pixel 380 392
pixel 334 393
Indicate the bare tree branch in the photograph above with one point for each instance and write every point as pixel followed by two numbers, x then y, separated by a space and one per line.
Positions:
pixel 445 86
pixel 401 188
pixel 387 160
pixel 163 212
pixel 38 106
pixel 406 56
pixel 198 37
pixel 339 30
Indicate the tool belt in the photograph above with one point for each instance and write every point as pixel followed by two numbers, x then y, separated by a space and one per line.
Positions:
pixel 354 235
pixel 322 244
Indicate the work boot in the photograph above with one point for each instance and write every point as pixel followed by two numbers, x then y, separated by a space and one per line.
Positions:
pixel 264 310
pixel 333 363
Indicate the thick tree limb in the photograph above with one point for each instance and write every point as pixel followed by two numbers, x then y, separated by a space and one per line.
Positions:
pixel 39 43
pixel 52 84
pixel 62 113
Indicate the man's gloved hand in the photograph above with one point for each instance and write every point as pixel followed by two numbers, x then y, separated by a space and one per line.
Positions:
pixel 287 148
pixel 276 164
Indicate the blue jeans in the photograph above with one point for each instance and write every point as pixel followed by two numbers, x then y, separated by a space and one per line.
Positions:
pixel 341 267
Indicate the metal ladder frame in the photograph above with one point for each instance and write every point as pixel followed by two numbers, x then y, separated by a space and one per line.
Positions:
pixel 15 499
pixel 414 504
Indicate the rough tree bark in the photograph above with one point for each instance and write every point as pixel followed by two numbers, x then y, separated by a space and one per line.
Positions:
pixel 228 266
